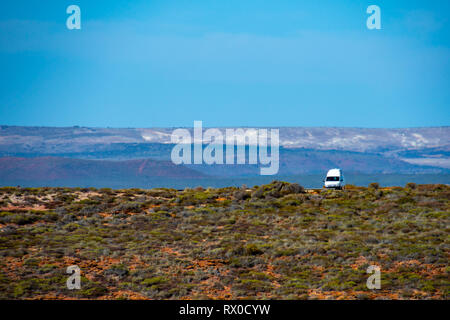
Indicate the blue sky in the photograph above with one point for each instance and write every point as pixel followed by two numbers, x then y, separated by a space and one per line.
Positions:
pixel 227 63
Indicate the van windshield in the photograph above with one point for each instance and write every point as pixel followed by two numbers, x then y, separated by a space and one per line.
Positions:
pixel 332 178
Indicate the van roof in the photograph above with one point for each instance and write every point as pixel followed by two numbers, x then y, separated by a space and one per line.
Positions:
pixel 334 172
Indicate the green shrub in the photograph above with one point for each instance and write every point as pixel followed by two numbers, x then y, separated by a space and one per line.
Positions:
pixel 374 185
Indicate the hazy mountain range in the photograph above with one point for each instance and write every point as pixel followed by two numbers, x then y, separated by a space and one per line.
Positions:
pixel 40 154
pixel 74 139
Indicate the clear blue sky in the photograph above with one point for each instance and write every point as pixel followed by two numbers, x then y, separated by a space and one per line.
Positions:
pixel 228 63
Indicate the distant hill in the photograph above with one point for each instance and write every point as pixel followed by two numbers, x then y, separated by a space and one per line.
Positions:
pixel 310 161
pixel 52 170
pixel 81 139
pixel 58 170
pixel 128 157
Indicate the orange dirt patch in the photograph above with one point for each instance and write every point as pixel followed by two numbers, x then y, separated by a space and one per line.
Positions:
pixel 124 294
pixel 105 215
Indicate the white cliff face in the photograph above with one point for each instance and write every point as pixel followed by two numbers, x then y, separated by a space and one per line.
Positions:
pixel 351 139
pixel 361 139
pixel 406 147
pixel 155 136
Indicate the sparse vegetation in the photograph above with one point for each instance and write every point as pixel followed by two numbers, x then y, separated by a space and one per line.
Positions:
pixel 276 241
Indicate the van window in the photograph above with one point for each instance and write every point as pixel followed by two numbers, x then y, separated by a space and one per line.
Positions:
pixel 332 178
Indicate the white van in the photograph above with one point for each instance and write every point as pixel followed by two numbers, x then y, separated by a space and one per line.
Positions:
pixel 334 179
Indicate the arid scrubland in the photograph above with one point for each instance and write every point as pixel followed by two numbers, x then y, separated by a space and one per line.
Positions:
pixel 276 241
